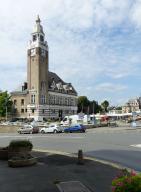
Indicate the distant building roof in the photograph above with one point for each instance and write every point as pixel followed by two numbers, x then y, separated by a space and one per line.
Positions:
pixel 19 92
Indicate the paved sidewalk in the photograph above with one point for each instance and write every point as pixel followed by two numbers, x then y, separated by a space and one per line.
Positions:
pixel 51 168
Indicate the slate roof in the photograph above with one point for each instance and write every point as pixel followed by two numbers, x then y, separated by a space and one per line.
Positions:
pixel 52 77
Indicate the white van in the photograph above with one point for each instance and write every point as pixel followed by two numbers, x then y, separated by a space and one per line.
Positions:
pixel 75 119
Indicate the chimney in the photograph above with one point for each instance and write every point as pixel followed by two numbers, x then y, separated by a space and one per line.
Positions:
pixel 25 85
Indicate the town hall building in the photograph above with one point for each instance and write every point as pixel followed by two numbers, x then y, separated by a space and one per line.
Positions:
pixel 44 95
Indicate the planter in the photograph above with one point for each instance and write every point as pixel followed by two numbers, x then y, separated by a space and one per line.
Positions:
pixel 18 151
pixel 21 148
pixel 3 153
pixel 22 162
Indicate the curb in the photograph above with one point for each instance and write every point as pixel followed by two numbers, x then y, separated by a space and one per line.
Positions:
pixel 114 165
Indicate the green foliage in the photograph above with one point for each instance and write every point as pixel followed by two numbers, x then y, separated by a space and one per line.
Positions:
pixel 127 182
pixel 20 143
pixel 105 105
pixel 119 108
pixel 5 102
pixel 83 104
pixel 94 107
pixel 89 107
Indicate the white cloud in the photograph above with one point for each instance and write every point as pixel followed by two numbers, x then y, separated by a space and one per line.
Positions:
pixel 111 13
pixel 136 13
pixel 110 87
pixel 88 41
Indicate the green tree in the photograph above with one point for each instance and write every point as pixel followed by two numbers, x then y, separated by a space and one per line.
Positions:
pixel 119 108
pixel 94 107
pixel 83 104
pixel 105 105
pixel 5 103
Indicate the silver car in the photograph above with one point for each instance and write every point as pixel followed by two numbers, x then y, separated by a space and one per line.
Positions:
pixel 28 129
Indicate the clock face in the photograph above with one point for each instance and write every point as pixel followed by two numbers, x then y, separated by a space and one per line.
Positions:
pixel 32 52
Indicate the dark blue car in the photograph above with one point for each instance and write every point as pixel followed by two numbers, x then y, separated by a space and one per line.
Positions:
pixel 75 128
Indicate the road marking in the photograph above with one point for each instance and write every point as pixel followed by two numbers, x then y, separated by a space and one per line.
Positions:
pixel 40 136
pixel 112 164
pixel 136 145
pixel 110 131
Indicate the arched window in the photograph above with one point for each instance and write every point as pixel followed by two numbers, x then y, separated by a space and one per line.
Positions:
pixel 43 99
pixel 32 99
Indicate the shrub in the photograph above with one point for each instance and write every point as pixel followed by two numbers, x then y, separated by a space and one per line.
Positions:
pixel 4 148
pixel 127 182
pixel 20 143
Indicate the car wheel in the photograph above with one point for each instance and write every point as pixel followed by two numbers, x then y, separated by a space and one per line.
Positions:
pixel 55 131
pixel 70 131
pixel 42 131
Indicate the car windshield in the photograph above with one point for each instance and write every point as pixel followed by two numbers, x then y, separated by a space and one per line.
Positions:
pixel 27 126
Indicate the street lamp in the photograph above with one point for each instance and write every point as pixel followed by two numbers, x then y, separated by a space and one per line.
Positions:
pixel 6 101
pixel 93 107
pixel 6 108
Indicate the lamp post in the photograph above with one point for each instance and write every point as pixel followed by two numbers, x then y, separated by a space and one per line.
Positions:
pixel 6 113
pixel 93 107
pixel 6 108
pixel 6 101
pixel 93 113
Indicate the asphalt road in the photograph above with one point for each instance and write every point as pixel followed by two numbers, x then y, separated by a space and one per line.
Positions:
pixel 119 145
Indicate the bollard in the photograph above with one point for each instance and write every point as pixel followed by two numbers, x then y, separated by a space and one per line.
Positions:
pixel 80 158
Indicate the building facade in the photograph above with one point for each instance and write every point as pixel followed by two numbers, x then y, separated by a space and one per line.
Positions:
pixel 45 94
pixel 132 105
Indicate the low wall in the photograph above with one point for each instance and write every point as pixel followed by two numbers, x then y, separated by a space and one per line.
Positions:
pixel 8 128
pixel 89 126
pixel 13 128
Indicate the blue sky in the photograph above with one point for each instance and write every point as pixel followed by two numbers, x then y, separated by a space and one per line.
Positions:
pixel 94 44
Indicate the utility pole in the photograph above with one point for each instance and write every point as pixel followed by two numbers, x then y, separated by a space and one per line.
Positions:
pixel 6 108
pixel 93 114
pixel 82 108
pixel 6 112
pixel 93 107
pixel 6 99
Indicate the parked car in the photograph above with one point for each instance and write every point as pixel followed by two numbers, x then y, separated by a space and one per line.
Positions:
pixel 112 124
pixel 28 129
pixel 54 128
pixel 76 128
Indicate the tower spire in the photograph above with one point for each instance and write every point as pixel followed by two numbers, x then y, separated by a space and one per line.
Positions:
pixel 38 27
pixel 38 19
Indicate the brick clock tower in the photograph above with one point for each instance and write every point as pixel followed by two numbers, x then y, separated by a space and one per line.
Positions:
pixel 37 73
